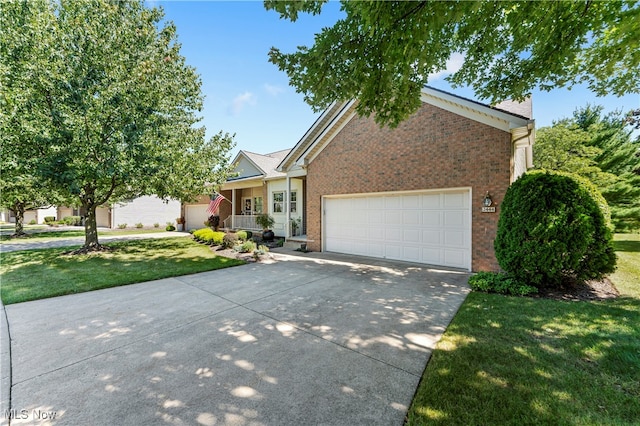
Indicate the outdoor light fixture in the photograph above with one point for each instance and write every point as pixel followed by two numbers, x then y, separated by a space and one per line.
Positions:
pixel 487 200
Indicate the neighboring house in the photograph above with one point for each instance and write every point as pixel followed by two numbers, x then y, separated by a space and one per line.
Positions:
pixel 257 188
pixel 414 193
pixel 147 210
pixel 37 215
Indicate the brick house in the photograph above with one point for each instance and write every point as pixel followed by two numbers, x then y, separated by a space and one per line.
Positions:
pixel 415 193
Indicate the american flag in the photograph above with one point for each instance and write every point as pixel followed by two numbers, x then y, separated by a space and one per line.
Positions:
pixel 214 204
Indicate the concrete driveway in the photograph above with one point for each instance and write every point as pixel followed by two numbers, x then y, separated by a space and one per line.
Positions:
pixel 313 339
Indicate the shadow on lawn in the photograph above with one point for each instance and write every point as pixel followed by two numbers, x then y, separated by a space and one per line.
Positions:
pixel 627 246
pixel 535 362
pixel 37 274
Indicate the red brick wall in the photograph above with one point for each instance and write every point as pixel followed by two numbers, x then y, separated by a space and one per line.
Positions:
pixel 433 149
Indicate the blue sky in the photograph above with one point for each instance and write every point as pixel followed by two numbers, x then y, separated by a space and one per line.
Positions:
pixel 228 42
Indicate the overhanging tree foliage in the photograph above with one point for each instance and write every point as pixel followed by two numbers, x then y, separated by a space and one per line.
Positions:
pixel 600 148
pixel 20 188
pixel 383 51
pixel 108 105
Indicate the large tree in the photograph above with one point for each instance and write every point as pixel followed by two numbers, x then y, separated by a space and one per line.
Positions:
pixel 108 106
pixel 602 149
pixel 20 188
pixel 382 52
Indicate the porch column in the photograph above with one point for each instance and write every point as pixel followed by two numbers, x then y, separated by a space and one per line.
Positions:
pixel 287 228
pixel 233 208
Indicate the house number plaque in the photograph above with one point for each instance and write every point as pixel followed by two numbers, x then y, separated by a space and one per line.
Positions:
pixel 488 209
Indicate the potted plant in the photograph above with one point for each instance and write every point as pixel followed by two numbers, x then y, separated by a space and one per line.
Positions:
pixel 180 221
pixel 213 222
pixel 266 222
pixel 295 225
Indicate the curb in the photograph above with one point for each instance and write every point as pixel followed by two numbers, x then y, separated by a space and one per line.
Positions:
pixel 5 367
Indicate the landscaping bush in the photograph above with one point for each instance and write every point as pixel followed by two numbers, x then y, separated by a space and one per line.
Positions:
pixel 122 225
pixel 156 225
pixel 209 236
pixel 491 282
pixel 139 225
pixel 246 247
pixel 72 220
pixel 33 222
pixel 203 234
pixel 229 240
pixel 49 219
pixel 554 227
pixel 242 235
pixel 217 238
pixel 170 228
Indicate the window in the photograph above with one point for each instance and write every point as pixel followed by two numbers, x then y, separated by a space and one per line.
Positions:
pixel 278 202
pixel 294 199
pixel 247 205
pixel 257 204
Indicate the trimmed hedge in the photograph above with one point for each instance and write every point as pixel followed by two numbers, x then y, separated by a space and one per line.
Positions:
pixel 209 236
pixel 554 227
pixel 491 282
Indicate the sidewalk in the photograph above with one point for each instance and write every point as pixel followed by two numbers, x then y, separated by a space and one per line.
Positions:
pixel 26 244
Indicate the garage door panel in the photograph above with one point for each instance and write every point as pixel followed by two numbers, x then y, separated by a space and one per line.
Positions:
pixel 455 258
pixel 432 228
pixel 410 201
pixel 455 239
pixel 393 234
pixel 432 218
pixel 411 254
pixel 375 217
pixel 411 235
pixel 455 219
pixel 455 200
pixel 432 237
pixel 392 203
pixel 431 255
pixel 431 201
pixel 411 217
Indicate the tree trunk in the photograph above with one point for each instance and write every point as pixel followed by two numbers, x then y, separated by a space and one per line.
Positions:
pixel 91 229
pixel 18 209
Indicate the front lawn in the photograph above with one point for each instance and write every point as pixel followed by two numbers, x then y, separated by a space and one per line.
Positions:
pixel 38 274
pixel 530 361
pixel 51 234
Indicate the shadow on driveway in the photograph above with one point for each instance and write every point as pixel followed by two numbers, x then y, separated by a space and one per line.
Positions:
pixel 317 339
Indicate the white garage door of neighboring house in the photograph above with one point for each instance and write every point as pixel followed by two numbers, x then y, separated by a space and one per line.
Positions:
pixel 423 227
pixel 195 215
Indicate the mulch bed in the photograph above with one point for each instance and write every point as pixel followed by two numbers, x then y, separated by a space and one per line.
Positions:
pixel 587 291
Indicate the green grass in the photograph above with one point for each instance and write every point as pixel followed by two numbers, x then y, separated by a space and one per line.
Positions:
pixel 51 235
pixel 627 276
pixel 38 274
pixel 527 361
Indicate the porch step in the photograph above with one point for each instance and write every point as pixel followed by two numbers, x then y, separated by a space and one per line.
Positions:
pixel 294 243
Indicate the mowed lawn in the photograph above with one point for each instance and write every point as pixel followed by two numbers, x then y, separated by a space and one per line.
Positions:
pixel 527 361
pixel 38 274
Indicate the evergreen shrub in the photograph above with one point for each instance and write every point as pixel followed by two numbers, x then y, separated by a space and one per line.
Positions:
pixel 554 227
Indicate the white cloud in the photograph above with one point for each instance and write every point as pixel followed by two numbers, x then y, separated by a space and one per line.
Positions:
pixel 454 63
pixel 240 101
pixel 273 90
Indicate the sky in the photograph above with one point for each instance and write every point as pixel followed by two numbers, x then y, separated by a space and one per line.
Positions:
pixel 246 95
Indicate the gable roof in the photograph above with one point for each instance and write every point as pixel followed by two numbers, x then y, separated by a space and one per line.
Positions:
pixel 264 164
pixel 505 116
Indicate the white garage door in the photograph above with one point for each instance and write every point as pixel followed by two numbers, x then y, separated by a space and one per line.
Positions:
pixel 425 227
pixel 195 215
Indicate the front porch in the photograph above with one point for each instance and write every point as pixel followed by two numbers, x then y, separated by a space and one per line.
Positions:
pixel 283 199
